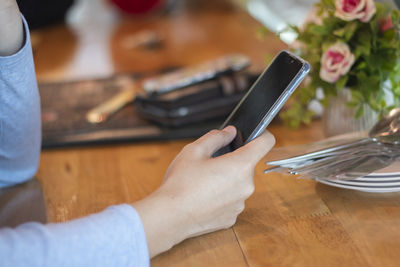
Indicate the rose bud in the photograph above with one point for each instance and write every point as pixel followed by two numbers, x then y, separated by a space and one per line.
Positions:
pixel 355 9
pixel 386 24
pixel 335 62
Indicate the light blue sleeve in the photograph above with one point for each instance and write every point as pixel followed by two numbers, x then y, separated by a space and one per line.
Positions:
pixel 114 237
pixel 20 124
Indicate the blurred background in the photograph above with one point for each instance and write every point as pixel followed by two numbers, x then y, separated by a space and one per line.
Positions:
pixel 80 40
pixel 94 21
pixel 273 14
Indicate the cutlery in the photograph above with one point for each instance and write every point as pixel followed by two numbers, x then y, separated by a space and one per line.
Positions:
pixel 350 160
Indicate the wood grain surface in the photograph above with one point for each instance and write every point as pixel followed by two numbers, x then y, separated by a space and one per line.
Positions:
pixel 287 221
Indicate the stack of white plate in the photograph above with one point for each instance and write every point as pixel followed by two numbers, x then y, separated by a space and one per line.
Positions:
pixel 382 181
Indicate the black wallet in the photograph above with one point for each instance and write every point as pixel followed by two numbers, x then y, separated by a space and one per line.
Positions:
pixel 200 102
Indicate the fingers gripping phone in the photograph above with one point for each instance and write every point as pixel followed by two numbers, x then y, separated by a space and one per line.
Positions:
pixel 265 98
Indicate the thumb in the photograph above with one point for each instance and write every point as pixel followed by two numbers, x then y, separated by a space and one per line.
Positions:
pixel 257 148
pixel 209 143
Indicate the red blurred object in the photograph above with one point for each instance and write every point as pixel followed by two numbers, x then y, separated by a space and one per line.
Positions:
pixel 138 6
pixel 386 24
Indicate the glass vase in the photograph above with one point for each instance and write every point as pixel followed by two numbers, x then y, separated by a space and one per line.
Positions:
pixel 338 118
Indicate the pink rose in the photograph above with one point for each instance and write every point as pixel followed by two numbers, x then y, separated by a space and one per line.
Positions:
pixel 355 9
pixel 335 62
pixel 386 24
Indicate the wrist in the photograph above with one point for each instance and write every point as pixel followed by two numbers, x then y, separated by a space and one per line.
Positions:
pixel 162 224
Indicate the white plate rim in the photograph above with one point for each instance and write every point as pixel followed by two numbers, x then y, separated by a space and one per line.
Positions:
pixel 377 178
pixel 366 183
pixel 375 174
pixel 361 188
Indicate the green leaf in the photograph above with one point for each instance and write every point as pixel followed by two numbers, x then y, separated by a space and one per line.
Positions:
pixel 374 25
pixel 356 96
pixel 396 90
pixel 341 83
pixel 350 30
pixel 326 46
pixel 382 104
pixel 324 101
pixel 362 43
pixel 362 49
pixel 318 29
pixel 361 65
pixel 328 3
pixel 359 111
pixel 352 104
pixel 340 32
pixel 373 104
pixel 389 35
pixel 347 31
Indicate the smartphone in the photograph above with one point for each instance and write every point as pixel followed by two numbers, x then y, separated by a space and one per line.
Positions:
pixel 265 98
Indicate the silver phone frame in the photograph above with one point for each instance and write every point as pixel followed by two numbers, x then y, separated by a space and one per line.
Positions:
pixel 294 83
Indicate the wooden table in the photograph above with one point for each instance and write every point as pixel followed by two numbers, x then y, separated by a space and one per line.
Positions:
pixel 287 222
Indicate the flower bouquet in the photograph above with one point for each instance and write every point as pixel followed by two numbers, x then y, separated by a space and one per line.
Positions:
pixel 352 44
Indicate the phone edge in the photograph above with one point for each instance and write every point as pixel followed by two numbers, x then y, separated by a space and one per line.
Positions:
pixel 268 117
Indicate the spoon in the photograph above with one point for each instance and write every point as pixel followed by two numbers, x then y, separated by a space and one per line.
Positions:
pixel 387 130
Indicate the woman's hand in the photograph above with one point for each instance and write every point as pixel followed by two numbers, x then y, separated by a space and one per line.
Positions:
pixel 201 194
pixel 11 29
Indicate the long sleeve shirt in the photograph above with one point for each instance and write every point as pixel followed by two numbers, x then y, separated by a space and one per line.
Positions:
pixel 113 237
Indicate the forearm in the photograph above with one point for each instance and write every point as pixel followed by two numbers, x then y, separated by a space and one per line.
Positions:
pixel 20 124
pixel 11 30
pixel 113 237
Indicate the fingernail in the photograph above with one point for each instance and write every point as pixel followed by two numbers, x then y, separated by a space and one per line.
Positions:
pixel 229 129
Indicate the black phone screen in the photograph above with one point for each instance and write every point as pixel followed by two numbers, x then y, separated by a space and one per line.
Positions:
pixel 262 96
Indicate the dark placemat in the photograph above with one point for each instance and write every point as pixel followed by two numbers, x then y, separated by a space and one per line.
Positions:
pixel 65 104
